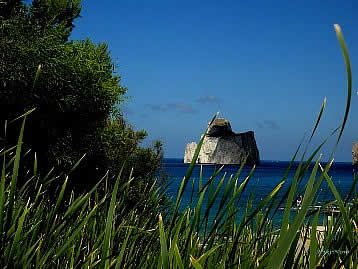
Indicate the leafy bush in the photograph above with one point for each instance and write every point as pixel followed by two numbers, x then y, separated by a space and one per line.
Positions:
pixel 76 94
pixel 121 147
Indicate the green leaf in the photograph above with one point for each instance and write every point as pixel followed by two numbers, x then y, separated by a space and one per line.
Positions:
pixel 314 243
pixel 188 175
pixel 285 241
pixel 123 248
pixel 342 43
pixel 2 197
pixel 163 244
pixel 15 244
pixel 347 224
pixel 72 237
pixel 178 259
pixel 58 203
pixel 36 76
pixel 195 263
pixel 15 172
pixel 109 223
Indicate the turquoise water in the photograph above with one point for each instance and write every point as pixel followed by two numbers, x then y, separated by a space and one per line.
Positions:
pixel 265 178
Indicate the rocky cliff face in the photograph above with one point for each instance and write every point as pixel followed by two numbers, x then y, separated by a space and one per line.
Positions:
pixel 223 146
pixel 355 154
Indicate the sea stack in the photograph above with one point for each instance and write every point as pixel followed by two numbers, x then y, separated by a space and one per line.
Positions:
pixel 222 146
pixel 355 154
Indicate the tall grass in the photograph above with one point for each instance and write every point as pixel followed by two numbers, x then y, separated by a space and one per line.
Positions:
pixel 97 230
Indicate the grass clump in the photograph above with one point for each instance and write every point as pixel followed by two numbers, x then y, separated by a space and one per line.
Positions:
pixel 86 230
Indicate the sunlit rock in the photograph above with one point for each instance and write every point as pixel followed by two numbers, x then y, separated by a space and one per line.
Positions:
pixel 355 154
pixel 222 146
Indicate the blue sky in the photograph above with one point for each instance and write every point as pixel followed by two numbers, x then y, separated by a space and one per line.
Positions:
pixel 265 65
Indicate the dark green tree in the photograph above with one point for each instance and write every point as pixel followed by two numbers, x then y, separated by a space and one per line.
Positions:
pixel 76 95
pixel 9 8
pixel 60 13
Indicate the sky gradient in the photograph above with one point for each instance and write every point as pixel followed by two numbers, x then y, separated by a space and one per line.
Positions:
pixel 265 65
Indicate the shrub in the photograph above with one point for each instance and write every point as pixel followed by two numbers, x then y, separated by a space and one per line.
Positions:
pixel 76 94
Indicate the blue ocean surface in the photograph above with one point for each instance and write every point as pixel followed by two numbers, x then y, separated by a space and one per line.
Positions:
pixel 265 178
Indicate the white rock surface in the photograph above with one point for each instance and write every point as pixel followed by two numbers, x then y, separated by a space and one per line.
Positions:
pixel 189 152
pixel 216 150
pixel 355 154
pixel 227 148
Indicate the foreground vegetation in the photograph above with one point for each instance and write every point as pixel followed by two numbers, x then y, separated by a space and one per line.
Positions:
pixel 98 229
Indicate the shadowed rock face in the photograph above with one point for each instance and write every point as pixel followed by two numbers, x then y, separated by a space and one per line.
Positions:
pixel 223 146
pixel 220 127
pixel 355 154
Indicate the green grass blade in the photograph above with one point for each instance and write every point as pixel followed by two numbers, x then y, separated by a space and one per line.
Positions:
pixel 318 118
pixel 342 43
pixel 284 244
pixel 291 254
pixel 109 223
pixel 2 198
pixel 212 177
pixel 58 203
pixel 284 224
pixel 225 208
pixel 79 202
pixel 74 235
pixel 192 190
pixel 15 172
pixel 348 226
pixel 178 259
pixel 314 243
pixel 163 244
pixel 36 76
pixel 15 244
pixel 29 252
pixel 203 257
pixel 261 205
pixel 35 165
pixel 123 248
pixel 188 175
pixel 197 211
pixel 3 152
pixel 195 263
pixel 76 164
pixel 301 169
pixel 23 115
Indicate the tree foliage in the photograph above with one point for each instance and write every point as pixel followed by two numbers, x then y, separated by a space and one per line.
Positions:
pixel 56 12
pixel 76 95
pixel 9 8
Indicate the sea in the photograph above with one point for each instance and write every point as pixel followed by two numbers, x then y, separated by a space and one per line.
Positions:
pixel 265 178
